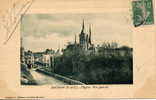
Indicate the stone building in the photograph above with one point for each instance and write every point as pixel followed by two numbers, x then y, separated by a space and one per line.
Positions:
pixel 85 40
pixel 29 58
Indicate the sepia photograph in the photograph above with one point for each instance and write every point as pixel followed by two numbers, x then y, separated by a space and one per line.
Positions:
pixel 76 49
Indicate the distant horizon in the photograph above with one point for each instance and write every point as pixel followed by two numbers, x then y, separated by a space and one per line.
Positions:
pixel 53 31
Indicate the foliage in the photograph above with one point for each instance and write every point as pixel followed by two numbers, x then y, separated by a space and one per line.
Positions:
pixel 96 68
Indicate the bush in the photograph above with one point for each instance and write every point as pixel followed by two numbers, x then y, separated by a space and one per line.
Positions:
pixel 96 69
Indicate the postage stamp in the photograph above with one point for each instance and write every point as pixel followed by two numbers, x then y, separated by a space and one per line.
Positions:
pixel 142 12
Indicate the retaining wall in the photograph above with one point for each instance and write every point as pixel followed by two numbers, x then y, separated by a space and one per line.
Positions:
pixel 62 78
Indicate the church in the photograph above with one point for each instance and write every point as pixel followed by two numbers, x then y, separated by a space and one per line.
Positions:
pixel 85 40
pixel 83 45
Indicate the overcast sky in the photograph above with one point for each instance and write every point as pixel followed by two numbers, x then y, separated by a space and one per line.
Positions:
pixel 42 31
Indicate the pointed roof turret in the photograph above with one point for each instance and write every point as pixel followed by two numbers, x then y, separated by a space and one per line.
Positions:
pixel 82 31
pixel 75 39
pixel 90 33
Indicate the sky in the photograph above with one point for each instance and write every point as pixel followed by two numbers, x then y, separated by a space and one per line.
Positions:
pixel 53 31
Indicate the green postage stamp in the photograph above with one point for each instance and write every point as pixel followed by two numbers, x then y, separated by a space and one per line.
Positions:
pixel 142 12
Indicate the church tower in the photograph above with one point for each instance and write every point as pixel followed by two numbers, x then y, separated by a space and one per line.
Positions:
pixel 82 37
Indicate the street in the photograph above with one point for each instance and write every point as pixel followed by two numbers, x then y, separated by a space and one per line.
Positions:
pixel 43 79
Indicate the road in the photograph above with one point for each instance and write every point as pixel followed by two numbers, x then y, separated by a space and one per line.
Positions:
pixel 43 79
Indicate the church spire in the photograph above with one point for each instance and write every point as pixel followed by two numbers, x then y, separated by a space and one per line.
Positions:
pixel 75 39
pixel 82 31
pixel 90 34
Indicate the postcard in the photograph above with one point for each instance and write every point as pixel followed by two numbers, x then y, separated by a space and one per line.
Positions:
pixel 77 49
